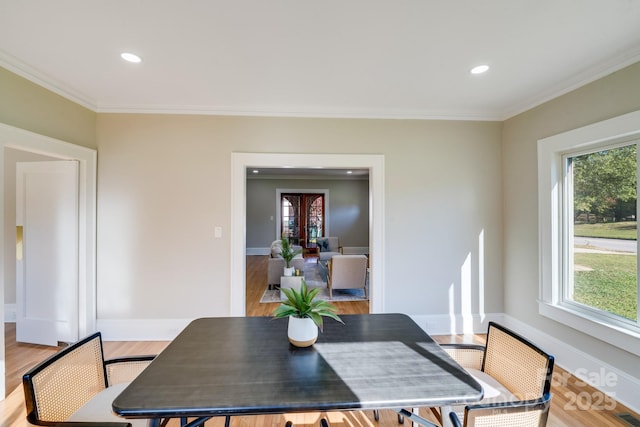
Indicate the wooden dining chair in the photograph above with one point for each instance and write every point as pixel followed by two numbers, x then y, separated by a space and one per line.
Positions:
pixel 63 384
pixel 517 372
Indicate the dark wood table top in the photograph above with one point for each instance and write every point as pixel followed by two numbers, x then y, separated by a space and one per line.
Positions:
pixel 246 366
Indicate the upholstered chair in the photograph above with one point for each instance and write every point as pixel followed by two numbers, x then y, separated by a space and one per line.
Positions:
pixel 347 272
pixel 328 247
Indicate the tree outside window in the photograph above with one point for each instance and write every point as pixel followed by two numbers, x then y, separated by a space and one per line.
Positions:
pixel 603 189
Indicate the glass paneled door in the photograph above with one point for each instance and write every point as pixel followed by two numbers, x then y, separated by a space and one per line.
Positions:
pixel 302 218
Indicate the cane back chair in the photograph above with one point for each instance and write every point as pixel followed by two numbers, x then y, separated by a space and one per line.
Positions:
pixel 518 365
pixel 62 384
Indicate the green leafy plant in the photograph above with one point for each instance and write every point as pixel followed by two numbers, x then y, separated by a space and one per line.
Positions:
pixel 288 253
pixel 304 304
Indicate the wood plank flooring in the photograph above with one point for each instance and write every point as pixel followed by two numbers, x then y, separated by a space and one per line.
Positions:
pixel 565 411
pixel 257 283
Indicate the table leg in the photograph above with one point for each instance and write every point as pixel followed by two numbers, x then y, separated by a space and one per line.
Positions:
pixel 415 418
pixel 198 422
pixel 444 413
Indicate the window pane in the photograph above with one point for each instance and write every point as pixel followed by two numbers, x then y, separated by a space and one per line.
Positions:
pixel 605 231
pixel 290 217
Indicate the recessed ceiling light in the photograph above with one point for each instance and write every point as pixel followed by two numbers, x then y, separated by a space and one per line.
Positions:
pixel 130 57
pixel 349 172
pixel 255 171
pixel 480 69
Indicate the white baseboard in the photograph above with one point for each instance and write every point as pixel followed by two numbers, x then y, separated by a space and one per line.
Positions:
pixel 597 373
pixel 445 324
pixel 9 313
pixel 141 329
pixel 258 251
pixel 355 250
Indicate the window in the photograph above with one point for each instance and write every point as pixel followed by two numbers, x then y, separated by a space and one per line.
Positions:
pixel 588 189
pixel 600 217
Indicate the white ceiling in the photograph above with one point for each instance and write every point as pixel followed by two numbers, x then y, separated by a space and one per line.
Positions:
pixel 329 58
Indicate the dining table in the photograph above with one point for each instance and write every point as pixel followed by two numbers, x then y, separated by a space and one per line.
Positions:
pixel 239 366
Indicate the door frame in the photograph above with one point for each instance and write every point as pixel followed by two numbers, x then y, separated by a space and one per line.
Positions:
pixel 20 139
pixel 240 162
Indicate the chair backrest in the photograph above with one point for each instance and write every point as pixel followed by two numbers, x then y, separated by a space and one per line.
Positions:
pixel 64 382
pixel 533 413
pixel 348 271
pixel 328 244
pixel 524 369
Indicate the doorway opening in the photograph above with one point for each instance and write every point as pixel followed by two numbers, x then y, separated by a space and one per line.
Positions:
pixel 240 162
pixel 22 140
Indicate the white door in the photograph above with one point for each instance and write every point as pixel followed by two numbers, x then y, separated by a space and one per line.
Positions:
pixel 47 253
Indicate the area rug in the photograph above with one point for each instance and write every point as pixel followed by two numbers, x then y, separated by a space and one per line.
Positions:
pixel 314 279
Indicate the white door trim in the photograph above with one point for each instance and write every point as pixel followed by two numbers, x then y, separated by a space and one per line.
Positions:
pixel 239 164
pixel 21 139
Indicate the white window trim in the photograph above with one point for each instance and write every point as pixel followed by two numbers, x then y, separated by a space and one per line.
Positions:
pixel 550 171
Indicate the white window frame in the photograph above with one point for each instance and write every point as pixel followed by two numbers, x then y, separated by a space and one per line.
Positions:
pixel 553 257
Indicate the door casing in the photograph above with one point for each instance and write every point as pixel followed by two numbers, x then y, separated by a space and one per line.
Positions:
pixel 21 139
pixel 239 164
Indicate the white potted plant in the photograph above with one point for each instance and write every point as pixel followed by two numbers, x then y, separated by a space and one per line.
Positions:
pixel 288 253
pixel 305 313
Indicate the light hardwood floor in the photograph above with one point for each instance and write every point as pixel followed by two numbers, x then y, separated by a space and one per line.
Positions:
pixel 573 403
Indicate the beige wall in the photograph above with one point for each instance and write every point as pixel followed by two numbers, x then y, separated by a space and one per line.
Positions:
pixel 611 96
pixel 163 184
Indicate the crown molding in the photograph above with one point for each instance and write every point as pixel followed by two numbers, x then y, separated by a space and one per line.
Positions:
pixel 299 112
pixel 583 78
pixel 34 75
pixel 577 81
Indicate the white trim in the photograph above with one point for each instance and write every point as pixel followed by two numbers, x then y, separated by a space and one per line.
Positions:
pixel 576 81
pixel 10 313
pixel 550 171
pixel 581 364
pixel 241 161
pixel 445 324
pixel 592 74
pixel 615 335
pixel 24 70
pixel 304 112
pixel 355 250
pixel 141 329
pixel 21 139
pixel 258 251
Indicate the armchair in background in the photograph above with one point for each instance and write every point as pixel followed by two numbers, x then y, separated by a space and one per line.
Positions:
pixel 347 272
pixel 328 247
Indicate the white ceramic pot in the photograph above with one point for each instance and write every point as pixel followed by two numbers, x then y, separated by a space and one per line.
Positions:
pixel 302 331
pixel 288 271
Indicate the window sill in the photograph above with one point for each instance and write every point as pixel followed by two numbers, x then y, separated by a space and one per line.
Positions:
pixel 617 336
